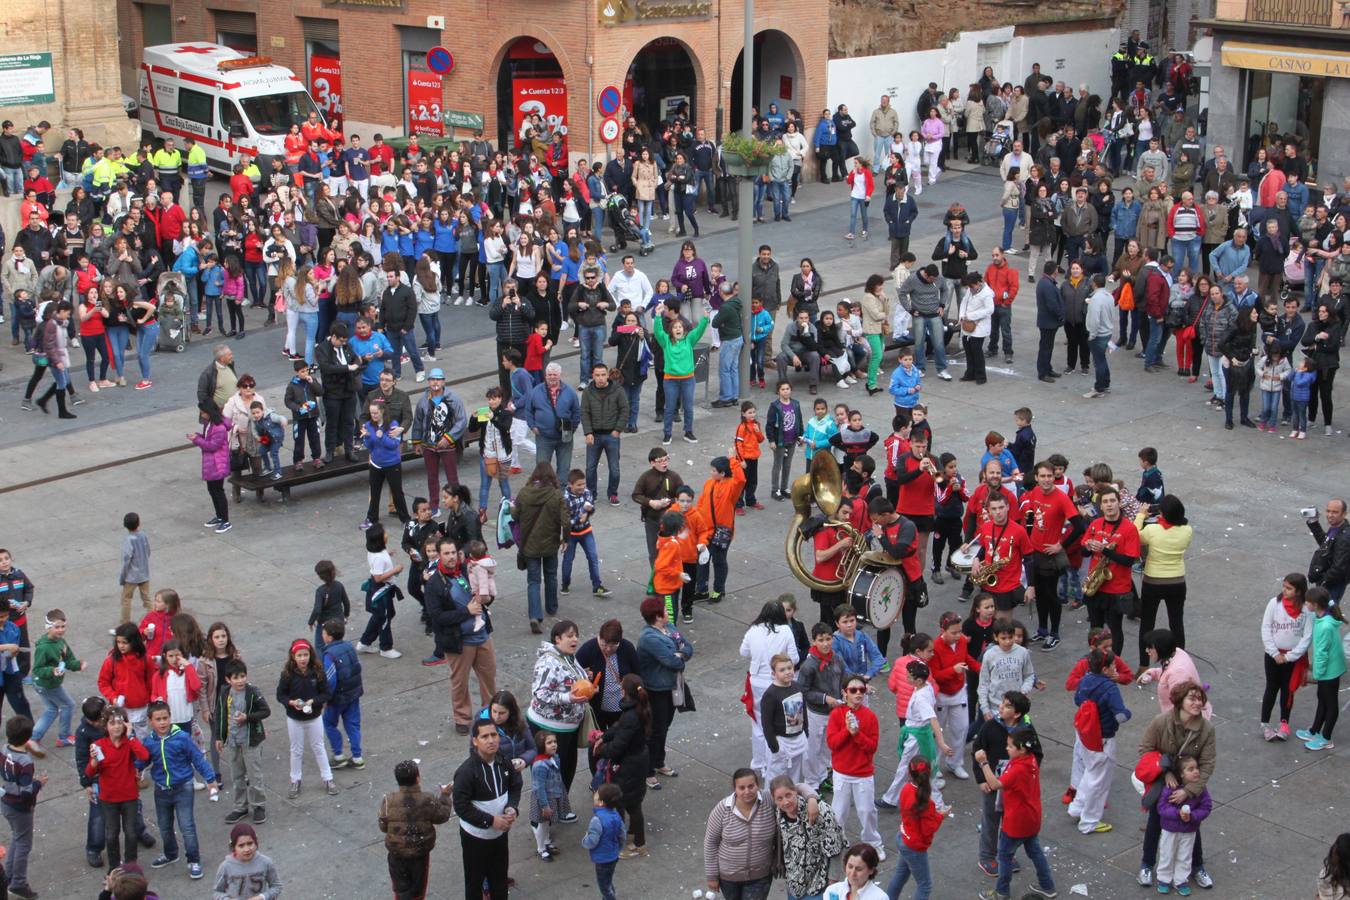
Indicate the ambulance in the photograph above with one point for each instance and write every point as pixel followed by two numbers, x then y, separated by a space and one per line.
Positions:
pixel 236 106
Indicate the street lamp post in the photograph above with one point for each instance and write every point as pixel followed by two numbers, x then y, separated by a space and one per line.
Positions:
pixel 745 188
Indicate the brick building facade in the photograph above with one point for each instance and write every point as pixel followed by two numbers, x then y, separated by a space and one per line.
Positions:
pixel 507 52
pixel 85 87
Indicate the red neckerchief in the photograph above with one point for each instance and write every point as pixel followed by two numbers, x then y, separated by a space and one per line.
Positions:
pixel 1294 610
pixel 1164 523
pixel 448 573
pixel 824 658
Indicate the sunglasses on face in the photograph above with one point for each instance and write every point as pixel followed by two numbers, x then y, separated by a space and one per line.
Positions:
pixel 855 690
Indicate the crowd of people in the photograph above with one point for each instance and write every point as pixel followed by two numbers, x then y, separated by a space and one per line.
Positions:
pixel 357 247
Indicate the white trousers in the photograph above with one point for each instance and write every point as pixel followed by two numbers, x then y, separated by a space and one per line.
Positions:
pixel 1076 768
pixel 543 835
pixel 1094 785
pixel 860 794
pixel 953 715
pixel 308 734
pixel 915 172
pixel 911 750
pixel 816 765
pixel 1174 857
pixel 759 749
pixel 292 320
pixel 784 763
pixel 931 152
pixel 520 438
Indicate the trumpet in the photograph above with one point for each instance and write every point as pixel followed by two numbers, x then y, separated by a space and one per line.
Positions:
pixel 1099 573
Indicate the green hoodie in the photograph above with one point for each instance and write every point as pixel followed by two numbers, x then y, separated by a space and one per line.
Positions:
pixel 679 357
pixel 47 655
pixel 1327 654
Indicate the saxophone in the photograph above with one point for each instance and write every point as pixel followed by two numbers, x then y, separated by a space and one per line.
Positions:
pixel 1099 573
pixel 986 574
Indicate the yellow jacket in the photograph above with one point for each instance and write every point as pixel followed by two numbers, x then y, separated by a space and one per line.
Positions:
pixel 1166 548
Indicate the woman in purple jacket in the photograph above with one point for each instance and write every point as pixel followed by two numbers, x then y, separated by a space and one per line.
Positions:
pixel 690 278
pixel 213 441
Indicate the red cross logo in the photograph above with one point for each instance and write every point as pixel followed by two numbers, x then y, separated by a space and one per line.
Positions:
pixel 194 50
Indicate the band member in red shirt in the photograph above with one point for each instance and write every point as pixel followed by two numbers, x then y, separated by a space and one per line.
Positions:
pixel 1112 541
pixel 896 536
pixel 1046 510
pixel 917 497
pixel 831 544
pixel 977 512
pixel 1000 539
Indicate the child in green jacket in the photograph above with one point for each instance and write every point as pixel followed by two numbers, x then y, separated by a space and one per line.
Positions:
pixel 1328 665
pixel 52 659
pixel 677 347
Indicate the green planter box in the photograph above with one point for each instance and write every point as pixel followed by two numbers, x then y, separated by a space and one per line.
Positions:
pixel 736 165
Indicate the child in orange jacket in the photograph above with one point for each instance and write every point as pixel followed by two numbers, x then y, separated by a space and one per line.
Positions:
pixel 718 504
pixel 694 550
pixel 668 575
pixel 748 438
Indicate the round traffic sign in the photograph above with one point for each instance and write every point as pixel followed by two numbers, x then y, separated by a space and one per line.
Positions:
pixel 608 101
pixel 440 60
pixel 609 130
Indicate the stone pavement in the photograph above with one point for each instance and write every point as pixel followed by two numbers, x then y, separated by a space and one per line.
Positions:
pixel 1278 805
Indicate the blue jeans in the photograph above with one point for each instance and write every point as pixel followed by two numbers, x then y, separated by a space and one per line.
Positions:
pixel 881 151
pixel 176 803
pixel 541 568
pixel 1187 253
pixel 645 214
pixel 350 716
pixel 702 178
pixel 761 187
pixel 1155 337
pixel 1270 409
pixel 405 342
pixel 255 274
pixel 1007 846
pixel 117 338
pixel 729 369
pixel 1100 370
pixel 13 179
pixel 485 483
pixel 597 221
pixel 555 450
pixel 348 319
pixel 431 327
pixel 679 392
pixel 1300 420
pixel 780 193
pixel 911 862
pixel 146 338
pixel 1312 270
pixel 1218 375
pixel 56 700
pixel 496 273
pixel 215 308
pixel 757 358
pixel 634 392
pixel 311 322
pixel 855 207
pixel 592 338
pixel 604 879
pixel 194 293
pixel 746 890
pixel 1000 326
pixel 1009 223
pixel 926 329
pixel 608 444
pixel 587 543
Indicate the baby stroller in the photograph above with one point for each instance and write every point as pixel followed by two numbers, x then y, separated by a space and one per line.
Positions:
pixel 1000 140
pixel 171 289
pixel 621 221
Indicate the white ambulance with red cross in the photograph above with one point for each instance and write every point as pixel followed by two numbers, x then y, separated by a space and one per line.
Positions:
pixel 236 106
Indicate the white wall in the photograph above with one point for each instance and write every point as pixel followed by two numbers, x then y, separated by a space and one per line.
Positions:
pixel 776 60
pixel 1077 58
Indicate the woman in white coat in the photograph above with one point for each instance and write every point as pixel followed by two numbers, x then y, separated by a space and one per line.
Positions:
pixel 766 637
pixel 977 308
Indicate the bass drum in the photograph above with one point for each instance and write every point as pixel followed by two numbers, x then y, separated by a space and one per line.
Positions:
pixel 877 595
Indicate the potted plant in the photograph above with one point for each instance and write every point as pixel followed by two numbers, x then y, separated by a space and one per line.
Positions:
pixel 747 156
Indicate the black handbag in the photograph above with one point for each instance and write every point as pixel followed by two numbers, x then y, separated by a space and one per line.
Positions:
pixel 721 534
pixel 687 706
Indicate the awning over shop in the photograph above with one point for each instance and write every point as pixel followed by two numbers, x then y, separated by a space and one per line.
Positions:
pixel 1291 60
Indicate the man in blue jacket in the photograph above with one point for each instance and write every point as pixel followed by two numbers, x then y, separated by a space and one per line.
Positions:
pixel 1230 259
pixel 1049 319
pixel 553 412
pixel 173 757
pixel 371 349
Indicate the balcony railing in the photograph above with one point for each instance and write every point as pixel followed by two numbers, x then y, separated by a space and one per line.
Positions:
pixel 1290 12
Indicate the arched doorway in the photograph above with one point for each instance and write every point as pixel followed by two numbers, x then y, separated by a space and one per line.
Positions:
pixel 529 80
pixel 777 77
pixel 661 81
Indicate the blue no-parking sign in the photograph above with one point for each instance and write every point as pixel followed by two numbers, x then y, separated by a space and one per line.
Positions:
pixel 608 101
pixel 440 60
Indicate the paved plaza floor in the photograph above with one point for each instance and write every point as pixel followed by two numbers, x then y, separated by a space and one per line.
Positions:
pixel 66 485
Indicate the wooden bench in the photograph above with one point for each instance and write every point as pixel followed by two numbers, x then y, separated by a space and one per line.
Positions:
pixel 291 476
